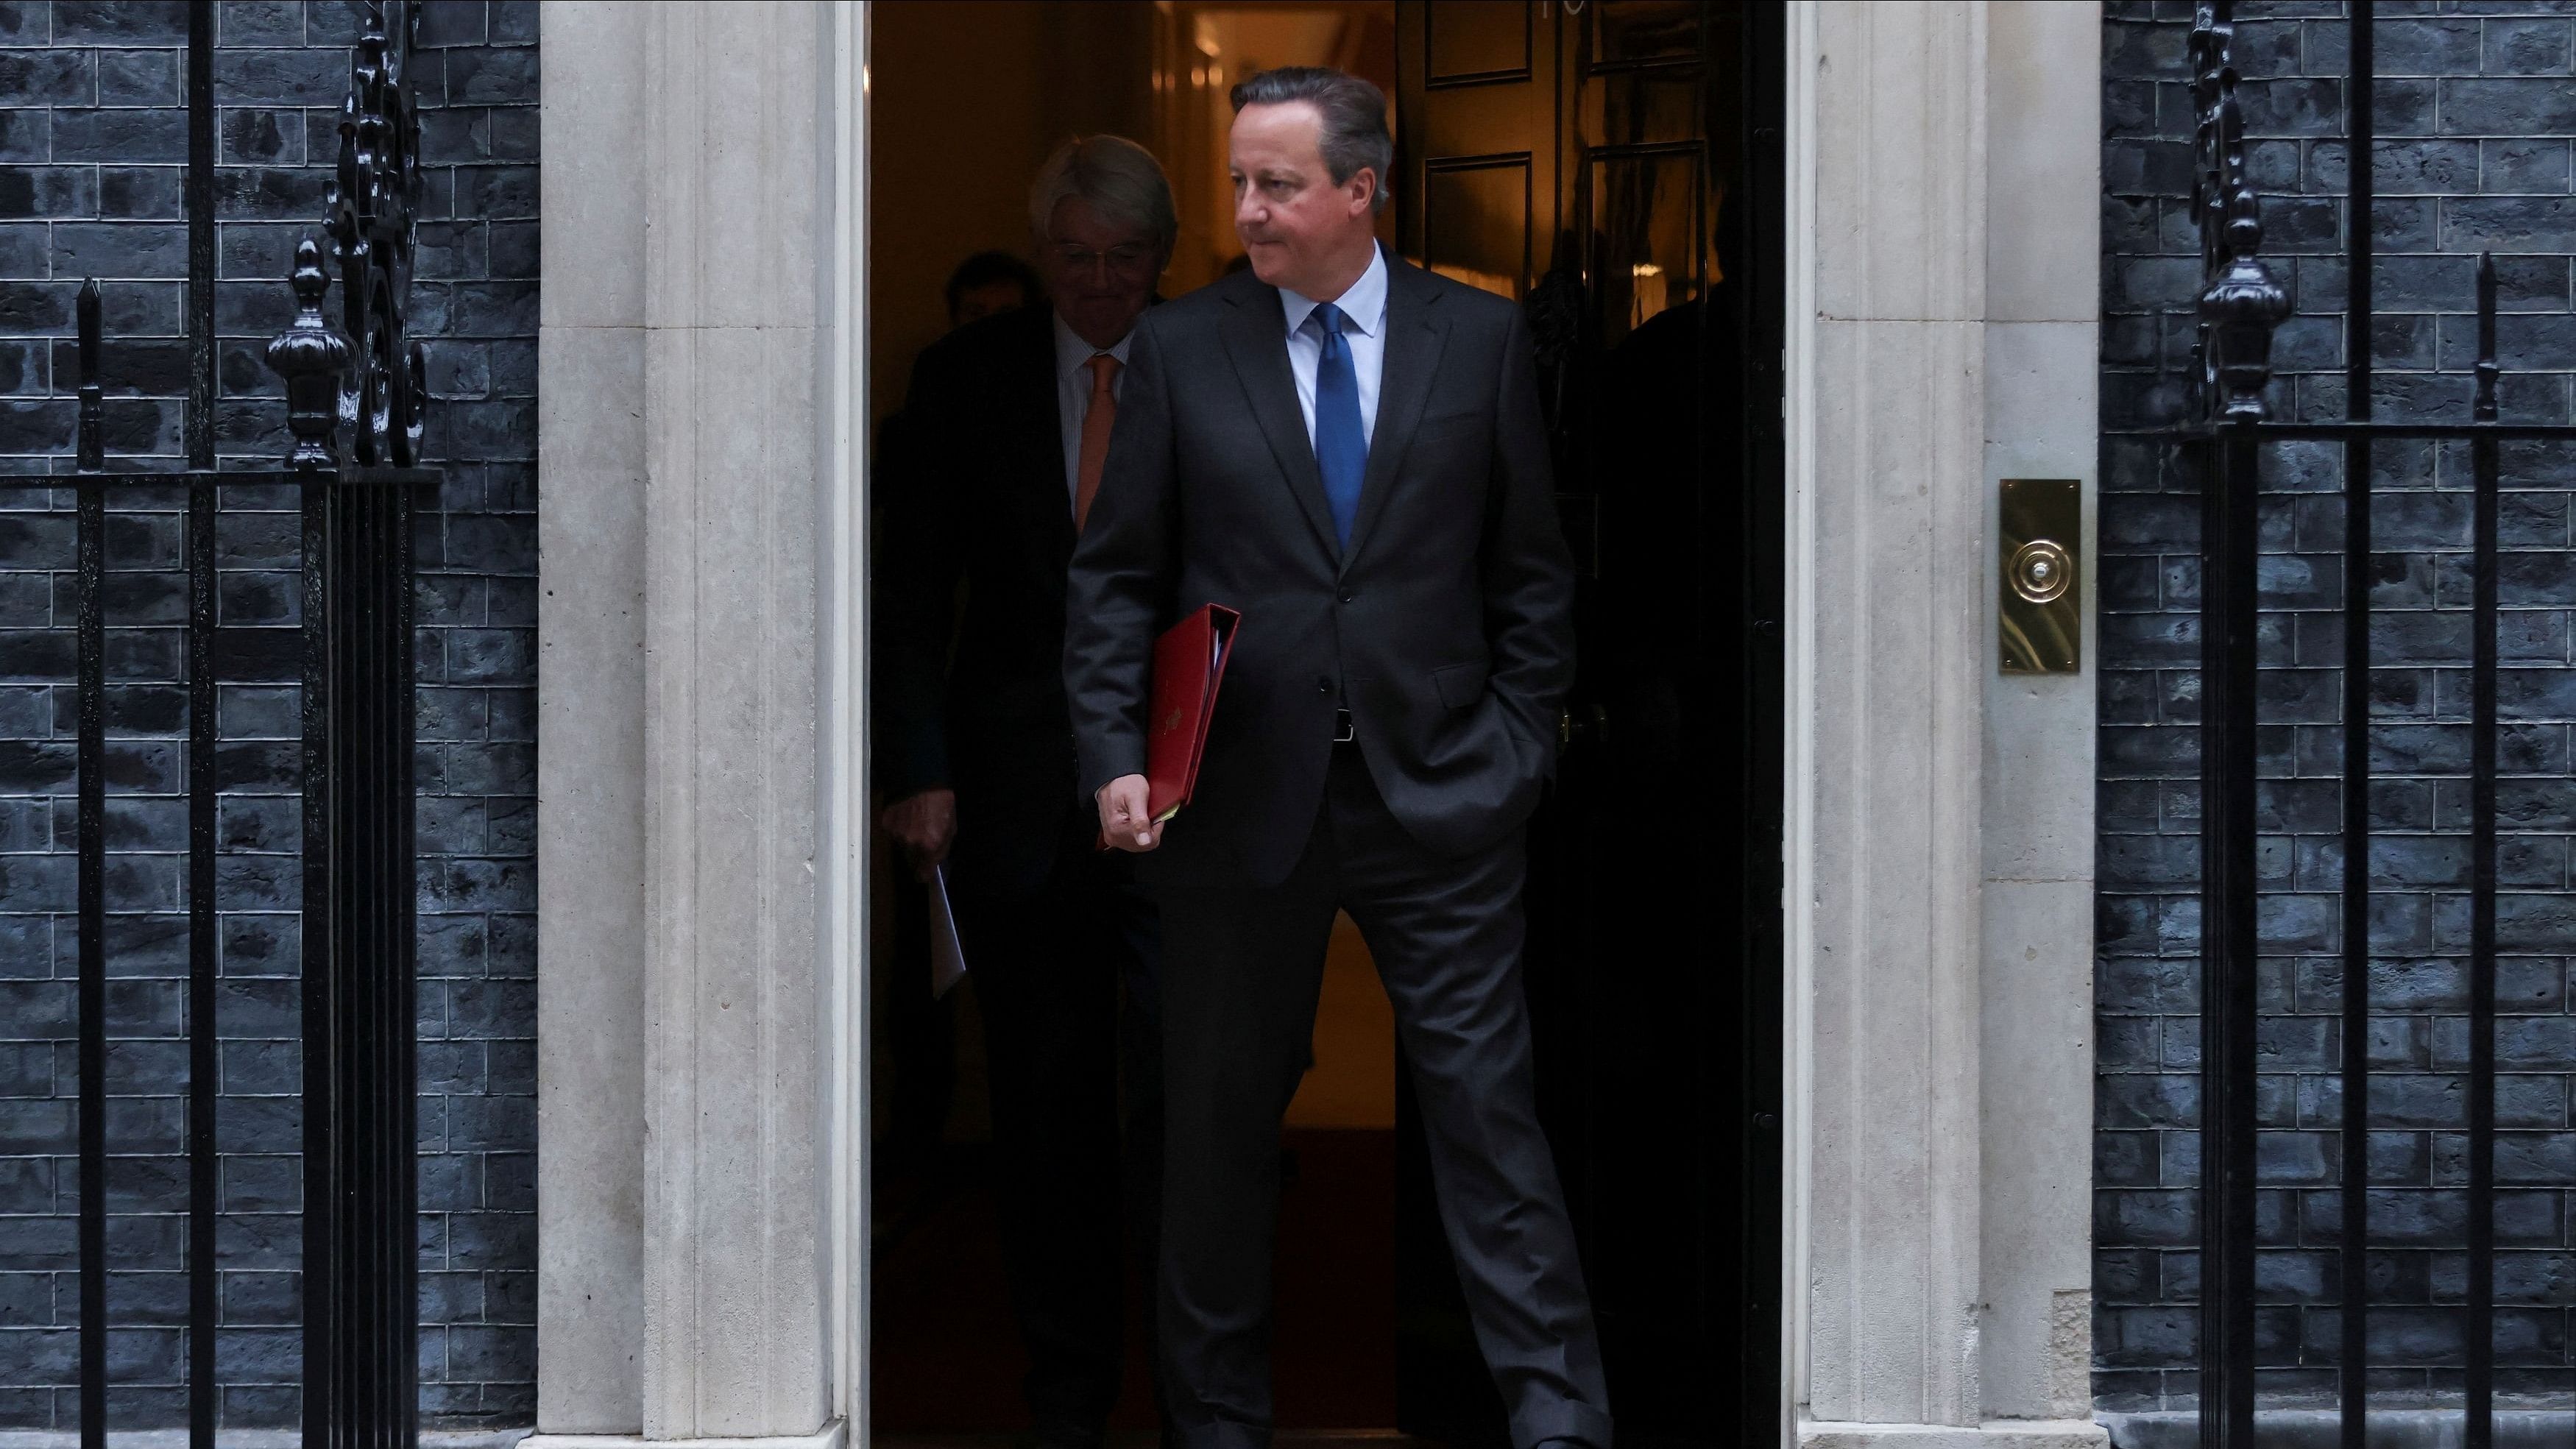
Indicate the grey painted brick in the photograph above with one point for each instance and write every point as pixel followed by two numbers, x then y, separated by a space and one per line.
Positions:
pixel 48 78
pixel 90 146
pixel 2519 107
pixel 2543 224
pixel 2536 46
pixel 262 22
pixel 2476 119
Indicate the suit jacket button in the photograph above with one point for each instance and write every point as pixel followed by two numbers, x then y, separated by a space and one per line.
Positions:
pixel 1323 686
pixel 1350 598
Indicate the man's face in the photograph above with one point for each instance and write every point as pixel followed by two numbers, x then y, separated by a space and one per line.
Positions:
pixel 1300 229
pixel 990 299
pixel 1100 274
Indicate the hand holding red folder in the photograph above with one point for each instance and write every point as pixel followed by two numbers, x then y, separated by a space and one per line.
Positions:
pixel 1189 662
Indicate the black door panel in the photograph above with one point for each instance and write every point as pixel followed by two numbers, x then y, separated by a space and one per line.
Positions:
pixel 1618 169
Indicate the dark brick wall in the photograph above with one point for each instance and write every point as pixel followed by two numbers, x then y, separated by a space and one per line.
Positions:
pixel 92 144
pixel 2476 112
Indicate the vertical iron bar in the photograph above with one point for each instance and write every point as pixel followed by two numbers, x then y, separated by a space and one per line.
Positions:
pixel 349 973
pixel 367 766
pixel 405 964
pixel 201 234
pixel 367 734
pixel 90 568
pixel 324 1329
pixel 2361 131
pixel 202 1062
pixel 380 776
pixel 2228 523
pixel 350 968
pixel 400 1247
pixel 2480 1326
pixel 361 1241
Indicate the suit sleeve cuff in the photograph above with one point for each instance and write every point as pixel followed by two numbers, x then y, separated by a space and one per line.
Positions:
pixel 1110 760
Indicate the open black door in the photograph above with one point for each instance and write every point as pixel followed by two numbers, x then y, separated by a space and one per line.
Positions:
pixel 1617 167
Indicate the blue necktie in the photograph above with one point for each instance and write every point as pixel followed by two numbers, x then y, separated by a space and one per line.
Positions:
pixel 1341 447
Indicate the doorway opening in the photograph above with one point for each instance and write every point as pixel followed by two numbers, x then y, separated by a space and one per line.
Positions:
pixel 1616 168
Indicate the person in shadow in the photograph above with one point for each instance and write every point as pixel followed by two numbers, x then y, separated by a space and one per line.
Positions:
pixel 1006 428
pixel 918 1028
pixel 989 284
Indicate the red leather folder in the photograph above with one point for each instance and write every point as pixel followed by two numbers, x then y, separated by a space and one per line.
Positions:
pixel 1189 662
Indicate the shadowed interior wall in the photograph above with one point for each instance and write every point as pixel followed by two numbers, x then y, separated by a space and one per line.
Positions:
pixel 964 102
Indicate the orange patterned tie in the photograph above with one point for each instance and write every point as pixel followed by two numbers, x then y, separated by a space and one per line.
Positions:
pixel 1096 422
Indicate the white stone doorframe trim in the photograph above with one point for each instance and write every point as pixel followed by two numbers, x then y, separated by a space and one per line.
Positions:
pixel 693 1216
pixel 1942 335
pixel 1798 694
pixel 833 1435
pixel 846 822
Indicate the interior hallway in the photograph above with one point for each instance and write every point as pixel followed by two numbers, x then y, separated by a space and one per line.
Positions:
pixel 947 1357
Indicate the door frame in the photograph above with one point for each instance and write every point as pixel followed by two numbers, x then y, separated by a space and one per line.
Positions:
pixel 1962 79
pixel 1936 1276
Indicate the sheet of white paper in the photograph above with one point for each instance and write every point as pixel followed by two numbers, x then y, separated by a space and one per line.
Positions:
pixel 947 958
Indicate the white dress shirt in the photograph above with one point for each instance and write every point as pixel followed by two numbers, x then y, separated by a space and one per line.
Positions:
pixel 1364 305
pixel 1073 392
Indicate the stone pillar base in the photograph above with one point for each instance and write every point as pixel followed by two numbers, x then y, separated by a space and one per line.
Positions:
pixel 2323 1429
pixel 1993 1434
pixel 834 1435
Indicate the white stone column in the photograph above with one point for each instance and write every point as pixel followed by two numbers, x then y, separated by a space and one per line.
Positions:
pixel 590 722
pixel 1896 528
pixel 1904 745
pixel 685 1272
pixel 2043 350
pixel 734 1284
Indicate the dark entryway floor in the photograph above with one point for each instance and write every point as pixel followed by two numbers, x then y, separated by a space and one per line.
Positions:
pixel 948 1359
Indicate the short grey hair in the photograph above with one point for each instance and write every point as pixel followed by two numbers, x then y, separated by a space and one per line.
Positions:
pixel 1118 177
pixel 1353 112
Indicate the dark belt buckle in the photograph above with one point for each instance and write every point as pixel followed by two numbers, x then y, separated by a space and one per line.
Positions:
pixel 1343 731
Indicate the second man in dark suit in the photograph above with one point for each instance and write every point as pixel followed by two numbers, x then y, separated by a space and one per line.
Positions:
pixel 1007 429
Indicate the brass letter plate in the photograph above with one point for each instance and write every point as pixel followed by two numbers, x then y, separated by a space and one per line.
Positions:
pixel 2043 609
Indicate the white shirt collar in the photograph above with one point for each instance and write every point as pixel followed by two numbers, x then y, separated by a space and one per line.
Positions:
pixel 1364 304
pixel 1072 354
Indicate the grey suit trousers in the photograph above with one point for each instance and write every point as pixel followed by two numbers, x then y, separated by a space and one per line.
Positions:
pixel 1242 970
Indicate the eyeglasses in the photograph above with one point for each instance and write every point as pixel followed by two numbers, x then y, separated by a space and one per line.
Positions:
pixel 1125 261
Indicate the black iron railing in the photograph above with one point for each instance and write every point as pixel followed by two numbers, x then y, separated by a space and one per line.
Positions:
pixel 2229 425
pixel 354 392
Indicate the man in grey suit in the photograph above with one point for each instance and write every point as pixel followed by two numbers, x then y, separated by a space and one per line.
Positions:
pixel 1347 449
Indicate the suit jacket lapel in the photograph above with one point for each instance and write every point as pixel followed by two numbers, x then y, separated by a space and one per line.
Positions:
pixel 1256 338
pixel 1415 332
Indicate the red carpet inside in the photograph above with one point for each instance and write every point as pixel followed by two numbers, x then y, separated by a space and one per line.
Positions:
pixel 948 1359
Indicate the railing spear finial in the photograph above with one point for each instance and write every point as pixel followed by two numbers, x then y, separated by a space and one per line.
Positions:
pixel 93 442
pixel 311 356
pixel 2484 409
pixel 2240 301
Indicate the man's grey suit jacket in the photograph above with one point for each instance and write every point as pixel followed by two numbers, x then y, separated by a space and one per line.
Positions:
pixel 1446 628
